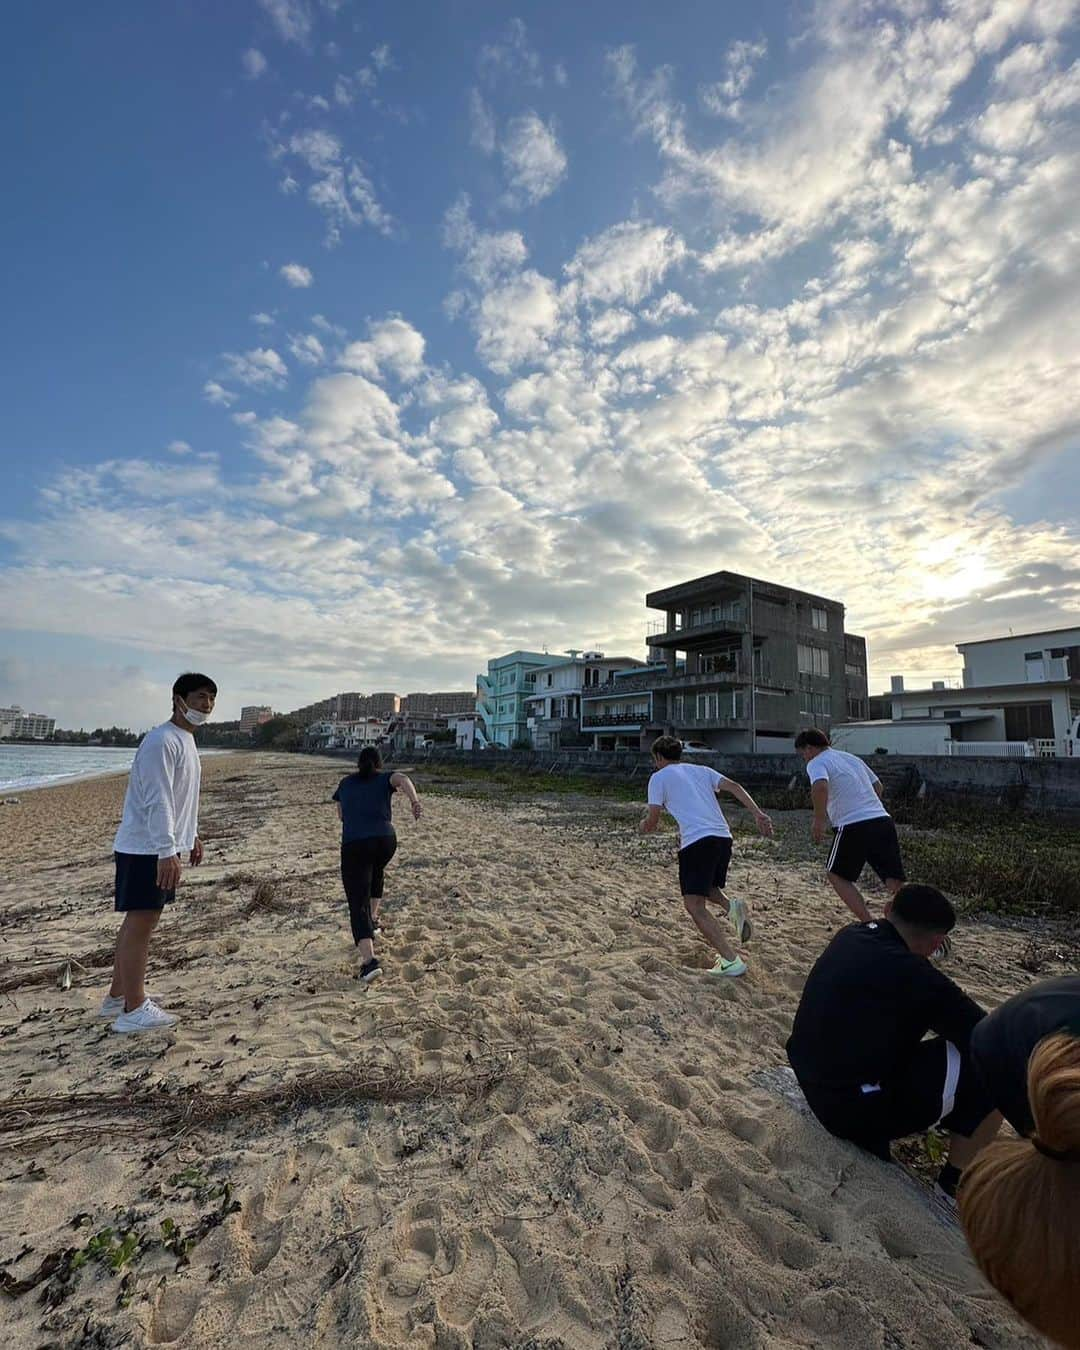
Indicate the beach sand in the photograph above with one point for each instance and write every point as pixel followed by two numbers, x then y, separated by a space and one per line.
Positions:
pixel 630 1181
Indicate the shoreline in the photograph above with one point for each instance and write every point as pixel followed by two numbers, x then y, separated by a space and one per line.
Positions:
pixel 90 775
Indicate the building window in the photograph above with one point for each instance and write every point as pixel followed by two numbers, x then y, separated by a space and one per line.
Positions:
pixel 950 712
pixel 1056 653
pixel 813 660
pixel 549 681
pixel 857 671
pixel 1029 721
pixel 819 618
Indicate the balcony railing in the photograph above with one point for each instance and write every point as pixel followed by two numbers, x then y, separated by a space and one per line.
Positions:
pixel 636 684
pixel 598 719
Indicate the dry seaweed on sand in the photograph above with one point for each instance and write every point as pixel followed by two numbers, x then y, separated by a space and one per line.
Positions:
pixel 38 1122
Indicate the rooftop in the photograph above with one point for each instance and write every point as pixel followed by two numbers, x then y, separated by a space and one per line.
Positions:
pixel 1017 637
pixel 720 581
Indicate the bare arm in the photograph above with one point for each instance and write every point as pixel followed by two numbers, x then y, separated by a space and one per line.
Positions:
pixel 879 789
pixel 819 795
pixel 338 805
pixel 740 794
pixel 650 820
pixel 403 783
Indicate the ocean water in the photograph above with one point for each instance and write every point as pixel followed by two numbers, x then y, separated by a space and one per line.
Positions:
pixel 26 766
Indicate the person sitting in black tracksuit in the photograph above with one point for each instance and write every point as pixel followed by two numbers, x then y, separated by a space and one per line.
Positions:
pixel 858 1048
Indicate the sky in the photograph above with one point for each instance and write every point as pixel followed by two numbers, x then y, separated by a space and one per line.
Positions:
pixel 351 345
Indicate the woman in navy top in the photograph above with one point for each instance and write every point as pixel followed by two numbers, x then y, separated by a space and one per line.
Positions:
pixel 368 842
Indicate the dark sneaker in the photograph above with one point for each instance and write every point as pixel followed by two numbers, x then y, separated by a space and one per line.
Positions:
pixel 370 970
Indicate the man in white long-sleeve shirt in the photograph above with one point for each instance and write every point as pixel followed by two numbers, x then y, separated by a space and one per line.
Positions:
pixel 159 825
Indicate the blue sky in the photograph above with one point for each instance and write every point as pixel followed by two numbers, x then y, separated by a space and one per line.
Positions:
pixel 350 346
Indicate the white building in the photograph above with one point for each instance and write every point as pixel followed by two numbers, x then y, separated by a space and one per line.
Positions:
pixel 1019 695
pixel 553 710
pixel 29 726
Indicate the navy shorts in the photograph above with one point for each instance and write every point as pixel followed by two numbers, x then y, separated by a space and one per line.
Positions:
pixel 136 883
pixel 704 864
pixel 870 841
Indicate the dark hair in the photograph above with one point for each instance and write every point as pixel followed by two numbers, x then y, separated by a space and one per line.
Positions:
pixel 667 747
pixel 811 736
pixel 369 762
pixel 192 680
pixel 923 908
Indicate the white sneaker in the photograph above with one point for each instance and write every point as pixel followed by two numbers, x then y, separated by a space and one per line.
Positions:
pixel 146 1017
pixel 740 920
pixel 722 967
pixel 113 1006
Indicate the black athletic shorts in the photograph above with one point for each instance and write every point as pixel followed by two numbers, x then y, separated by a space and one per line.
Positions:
pixel 704 864
pixel 936 1084
pixel 136 883
pixel 871 841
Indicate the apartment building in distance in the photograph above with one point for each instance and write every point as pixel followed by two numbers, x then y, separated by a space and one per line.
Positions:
pixel 254 715
pixel 14 722
pixel 443 706
pixel 501 692
pixel 735 663
pixel 553 711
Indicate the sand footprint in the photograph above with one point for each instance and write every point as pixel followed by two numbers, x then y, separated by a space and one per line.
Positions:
pixel 471 1276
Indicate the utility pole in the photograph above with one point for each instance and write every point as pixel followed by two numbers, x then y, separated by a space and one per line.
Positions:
pixel 753 678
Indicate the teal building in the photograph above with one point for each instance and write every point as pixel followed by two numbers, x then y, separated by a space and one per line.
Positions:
pixel 501 695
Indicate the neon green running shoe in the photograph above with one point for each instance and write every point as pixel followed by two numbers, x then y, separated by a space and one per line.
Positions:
pixel 740 920
pixel 723 967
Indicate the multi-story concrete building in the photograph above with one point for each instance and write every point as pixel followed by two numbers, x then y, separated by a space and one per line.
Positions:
pixel 501 695
pixel 443 705
pixel 27 726
pixel 736 663
pixel 254 716
pixel 553 712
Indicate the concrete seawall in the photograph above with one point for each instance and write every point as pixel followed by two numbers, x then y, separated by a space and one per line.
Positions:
pixel 1026 784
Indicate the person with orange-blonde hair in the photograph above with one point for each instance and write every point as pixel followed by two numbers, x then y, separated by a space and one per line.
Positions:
pixel 1019 1199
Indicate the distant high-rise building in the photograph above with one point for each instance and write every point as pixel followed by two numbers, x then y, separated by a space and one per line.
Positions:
pixel 254 716
pixel 382 705
pixel 445 704
pixel 31 726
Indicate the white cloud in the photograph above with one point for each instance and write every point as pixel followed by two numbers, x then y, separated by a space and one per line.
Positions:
pixel 516 320
pixel 671 305
pixel 218 394
pixel 482 123
pixel 263 319
pixel 610 325
pixel 260 368
pixel 625 262
pixel 254 63
pixel 533 159
pixel 297 275
pixel 394 345
pixel 291 18
pixel 339 186
pixel 307 349
pixel 178 448
pixel 724 96
pixel 512 58
pixel 381 57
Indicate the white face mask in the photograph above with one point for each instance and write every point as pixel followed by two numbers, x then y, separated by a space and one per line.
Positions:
pixel 192 715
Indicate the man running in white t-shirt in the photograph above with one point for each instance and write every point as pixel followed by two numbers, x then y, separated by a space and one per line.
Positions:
pixel 688 792
pixel 848 795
